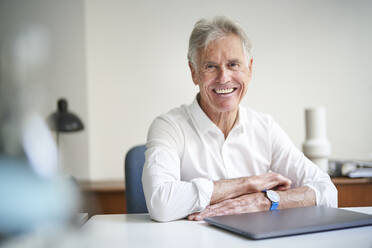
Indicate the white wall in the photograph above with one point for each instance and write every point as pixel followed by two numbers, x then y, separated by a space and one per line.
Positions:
pixel 306 53
pixel 121 63
pixel 51 36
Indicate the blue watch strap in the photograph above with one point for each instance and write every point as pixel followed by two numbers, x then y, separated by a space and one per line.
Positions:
pixel 274 205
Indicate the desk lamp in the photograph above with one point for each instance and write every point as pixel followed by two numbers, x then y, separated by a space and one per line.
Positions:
pixel 65 121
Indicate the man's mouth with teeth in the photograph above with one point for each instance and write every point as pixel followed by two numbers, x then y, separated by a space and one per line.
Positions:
pixel 224 91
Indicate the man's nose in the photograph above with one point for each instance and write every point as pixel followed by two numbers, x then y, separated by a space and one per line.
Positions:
pixel 223 75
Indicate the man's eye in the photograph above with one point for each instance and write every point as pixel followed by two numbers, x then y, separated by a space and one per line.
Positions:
pixel 210 68
pixel 234 65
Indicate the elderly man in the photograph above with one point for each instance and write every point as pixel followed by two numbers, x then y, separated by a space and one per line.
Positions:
pixel 215 157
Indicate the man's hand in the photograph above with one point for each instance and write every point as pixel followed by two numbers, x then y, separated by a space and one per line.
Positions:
pixel 269 180
pixel 244 204
pixel 254 202
pixel 232 188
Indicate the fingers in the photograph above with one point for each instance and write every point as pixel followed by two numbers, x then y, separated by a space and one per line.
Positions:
pixel 210 210
pixel 192 216
pixel 223 210
pixel 243 204
pixel 197 216
pixel 275 180
pixel 283 183
pixel 282 187
pixel 270 180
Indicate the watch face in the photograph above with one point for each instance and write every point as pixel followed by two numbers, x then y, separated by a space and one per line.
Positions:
pixel 273 196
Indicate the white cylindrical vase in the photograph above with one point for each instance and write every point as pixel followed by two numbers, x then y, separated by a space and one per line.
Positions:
pixel 316 146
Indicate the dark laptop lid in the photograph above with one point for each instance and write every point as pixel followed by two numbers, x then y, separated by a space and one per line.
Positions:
pixel 269 224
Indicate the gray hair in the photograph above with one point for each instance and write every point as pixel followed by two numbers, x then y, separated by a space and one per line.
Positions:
pixel 208 30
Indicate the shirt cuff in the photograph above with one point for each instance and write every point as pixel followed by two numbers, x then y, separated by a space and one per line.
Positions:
pixel 204 189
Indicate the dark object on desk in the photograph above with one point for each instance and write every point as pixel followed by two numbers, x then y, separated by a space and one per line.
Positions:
pixel 270 224
pixel 65 121
pixel 360 173
pixel 350 168
pixel 134 161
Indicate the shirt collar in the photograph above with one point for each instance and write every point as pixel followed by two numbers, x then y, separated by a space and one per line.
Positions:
pixel 201 119
pixel 205 124
pixel 242 120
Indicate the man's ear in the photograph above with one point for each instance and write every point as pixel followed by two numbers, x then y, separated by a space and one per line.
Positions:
pixel 250 65
pixel 193 73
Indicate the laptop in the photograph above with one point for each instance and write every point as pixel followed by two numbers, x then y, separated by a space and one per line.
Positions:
pixel 278 223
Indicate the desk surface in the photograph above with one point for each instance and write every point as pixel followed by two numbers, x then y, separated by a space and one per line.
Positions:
pixel 138 230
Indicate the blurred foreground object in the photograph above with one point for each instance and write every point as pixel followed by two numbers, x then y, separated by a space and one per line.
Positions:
pixel 316 146
pixel 30 202
pixel 34 196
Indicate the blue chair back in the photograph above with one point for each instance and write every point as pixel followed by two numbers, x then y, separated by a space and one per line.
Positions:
pixel 134 161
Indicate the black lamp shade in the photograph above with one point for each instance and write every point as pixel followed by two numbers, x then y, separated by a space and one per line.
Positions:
pixel 65 121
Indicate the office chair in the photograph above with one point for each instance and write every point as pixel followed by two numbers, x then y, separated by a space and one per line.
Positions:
pixel 134 161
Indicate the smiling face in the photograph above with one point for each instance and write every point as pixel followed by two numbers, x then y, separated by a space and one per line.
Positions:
pixel 222 74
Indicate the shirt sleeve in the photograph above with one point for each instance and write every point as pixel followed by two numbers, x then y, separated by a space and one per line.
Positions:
pixel 167 197
pixel 288 161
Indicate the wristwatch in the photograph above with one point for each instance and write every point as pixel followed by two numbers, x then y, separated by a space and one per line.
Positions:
pixel 273 197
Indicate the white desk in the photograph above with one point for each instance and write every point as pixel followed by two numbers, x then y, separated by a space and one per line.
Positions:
pixel 138 230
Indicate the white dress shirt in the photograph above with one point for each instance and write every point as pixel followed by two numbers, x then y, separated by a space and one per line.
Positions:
pixel 186 152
